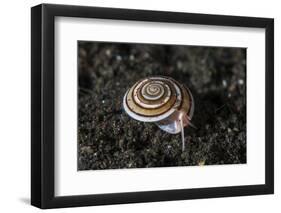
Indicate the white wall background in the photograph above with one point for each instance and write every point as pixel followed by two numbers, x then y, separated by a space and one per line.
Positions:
pixel 15 105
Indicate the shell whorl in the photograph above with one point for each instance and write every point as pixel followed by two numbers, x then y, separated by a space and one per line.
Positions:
pixel 154 99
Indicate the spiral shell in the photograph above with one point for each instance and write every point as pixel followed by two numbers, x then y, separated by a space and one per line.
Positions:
pixel 161 100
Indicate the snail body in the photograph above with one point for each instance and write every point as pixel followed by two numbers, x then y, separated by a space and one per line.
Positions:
pixel 161 100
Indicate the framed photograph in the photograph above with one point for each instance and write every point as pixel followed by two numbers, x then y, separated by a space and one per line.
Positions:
pixel 139 106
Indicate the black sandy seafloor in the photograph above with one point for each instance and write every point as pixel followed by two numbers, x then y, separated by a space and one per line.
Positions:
pixel 109 139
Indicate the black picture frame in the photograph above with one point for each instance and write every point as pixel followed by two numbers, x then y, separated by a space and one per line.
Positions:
pixel 43 102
